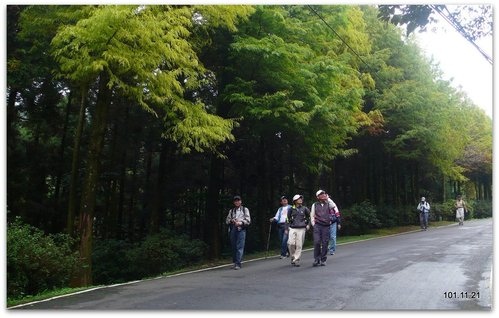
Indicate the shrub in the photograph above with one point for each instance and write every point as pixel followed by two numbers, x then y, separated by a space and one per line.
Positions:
pixel 164 251
pixel 116 261
pixel 481 209
pixel 359 218
pixel 111 262
pixel 37 262
pixel 444 210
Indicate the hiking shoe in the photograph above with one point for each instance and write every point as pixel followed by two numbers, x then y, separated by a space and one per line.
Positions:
pixel 237 267
pixel 323 263
pixel 316 263
pixel 331 253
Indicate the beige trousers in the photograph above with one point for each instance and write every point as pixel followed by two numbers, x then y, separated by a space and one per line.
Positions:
pixel 295 243
pixel 460 214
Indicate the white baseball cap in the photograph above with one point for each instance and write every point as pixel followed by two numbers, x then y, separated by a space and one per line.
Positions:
pixel 319 192
pixel 297 196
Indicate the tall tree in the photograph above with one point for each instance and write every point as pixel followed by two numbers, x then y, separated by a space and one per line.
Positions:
pixel 106 43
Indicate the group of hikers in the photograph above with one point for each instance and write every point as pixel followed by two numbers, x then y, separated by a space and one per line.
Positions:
pixel 294 220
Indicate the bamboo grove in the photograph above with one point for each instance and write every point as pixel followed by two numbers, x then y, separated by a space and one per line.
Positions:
pixel 123 121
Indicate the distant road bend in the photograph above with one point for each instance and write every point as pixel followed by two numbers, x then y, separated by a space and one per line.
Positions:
pixel 445 268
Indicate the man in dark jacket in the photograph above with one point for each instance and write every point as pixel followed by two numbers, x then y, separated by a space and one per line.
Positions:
pixel 297 223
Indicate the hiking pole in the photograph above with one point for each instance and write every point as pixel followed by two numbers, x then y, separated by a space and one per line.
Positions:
pixel 268 241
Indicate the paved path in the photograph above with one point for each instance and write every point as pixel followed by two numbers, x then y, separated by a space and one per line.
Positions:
pixel 446 268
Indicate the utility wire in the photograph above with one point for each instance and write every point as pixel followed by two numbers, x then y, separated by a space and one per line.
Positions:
pixel 336 33
pixel 459 28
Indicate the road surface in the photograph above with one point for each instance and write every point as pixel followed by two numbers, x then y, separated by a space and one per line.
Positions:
pixel 445 268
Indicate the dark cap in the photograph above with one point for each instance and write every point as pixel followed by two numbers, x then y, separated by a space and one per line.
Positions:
pixel 236 198
pixel 283 197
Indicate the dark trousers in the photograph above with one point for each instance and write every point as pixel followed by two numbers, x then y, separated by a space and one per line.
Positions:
pixel 321 240
pixel 283 238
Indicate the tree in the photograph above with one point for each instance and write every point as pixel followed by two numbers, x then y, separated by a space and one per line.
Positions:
pixel 105 43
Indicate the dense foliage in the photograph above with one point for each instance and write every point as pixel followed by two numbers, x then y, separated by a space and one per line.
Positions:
pixel 37 262
pixel 130 128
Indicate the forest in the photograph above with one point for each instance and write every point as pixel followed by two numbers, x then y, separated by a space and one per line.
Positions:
pixel 130 128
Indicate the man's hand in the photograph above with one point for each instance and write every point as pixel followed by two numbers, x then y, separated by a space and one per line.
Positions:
pixel 339 226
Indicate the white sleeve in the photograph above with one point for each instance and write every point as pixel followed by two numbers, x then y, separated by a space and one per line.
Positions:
pixel 332 205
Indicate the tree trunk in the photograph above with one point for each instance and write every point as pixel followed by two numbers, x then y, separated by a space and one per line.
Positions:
pixel 60 167
pixel 159 191
pixel 88 198
pixel 213 217
pixel 70 222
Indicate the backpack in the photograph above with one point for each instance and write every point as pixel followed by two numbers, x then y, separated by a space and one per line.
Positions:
pixel 233 214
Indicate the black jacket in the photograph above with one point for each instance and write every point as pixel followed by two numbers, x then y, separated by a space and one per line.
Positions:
pixel 298 217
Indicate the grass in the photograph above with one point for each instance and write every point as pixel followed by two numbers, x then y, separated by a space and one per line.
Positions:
pixel 44 295
pixel 227 260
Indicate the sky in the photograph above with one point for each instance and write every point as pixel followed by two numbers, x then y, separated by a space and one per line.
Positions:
pixel 462 62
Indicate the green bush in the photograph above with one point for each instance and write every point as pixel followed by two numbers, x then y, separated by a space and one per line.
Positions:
pixel 37 262
pixel 481 209
pixel 111 262
pixel 444 211
pixel 163 252
pixel 391 216
pixel 359 218
pixel 117 261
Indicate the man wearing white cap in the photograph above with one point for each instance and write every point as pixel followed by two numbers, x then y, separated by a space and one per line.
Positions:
pixel 321 218
pixel 297 223
pixel 424 211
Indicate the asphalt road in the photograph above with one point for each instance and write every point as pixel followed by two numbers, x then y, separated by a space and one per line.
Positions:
pixel 446 268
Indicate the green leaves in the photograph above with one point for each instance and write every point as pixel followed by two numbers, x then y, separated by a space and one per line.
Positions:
pixel 149 56
pixel 290 74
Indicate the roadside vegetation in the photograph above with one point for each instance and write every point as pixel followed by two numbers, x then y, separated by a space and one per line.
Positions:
pixel 58 290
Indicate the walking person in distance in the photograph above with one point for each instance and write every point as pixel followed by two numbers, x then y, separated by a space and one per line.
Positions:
pixel 460 206
pixel 238 219
pixel 424 212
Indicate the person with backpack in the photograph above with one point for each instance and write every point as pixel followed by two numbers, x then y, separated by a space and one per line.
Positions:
pixel 280 220
pixel 238 220
pixel 424 211
pixel 297 223
pixel 335 225
pixel 321 217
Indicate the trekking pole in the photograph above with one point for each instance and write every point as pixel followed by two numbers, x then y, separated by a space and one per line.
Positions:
pixel 268 241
